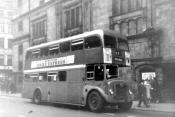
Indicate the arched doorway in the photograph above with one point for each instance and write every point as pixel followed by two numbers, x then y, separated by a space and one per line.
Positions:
pixel 145 72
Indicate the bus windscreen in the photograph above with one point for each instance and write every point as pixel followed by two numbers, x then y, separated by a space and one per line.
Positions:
pixel 109 41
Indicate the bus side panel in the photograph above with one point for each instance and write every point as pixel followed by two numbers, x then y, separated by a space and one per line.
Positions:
pixel 58 91
pixel 94 55
pixel 79 57
pixel 75 85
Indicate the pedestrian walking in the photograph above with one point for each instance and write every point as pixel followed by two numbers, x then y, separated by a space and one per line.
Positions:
pixel 155 91
pixel 142 95
pixel 148 90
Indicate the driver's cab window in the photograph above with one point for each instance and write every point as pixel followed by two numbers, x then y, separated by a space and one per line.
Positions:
pixel 95 72
pixel 99 73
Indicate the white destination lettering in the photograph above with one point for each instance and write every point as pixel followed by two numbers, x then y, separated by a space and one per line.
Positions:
pixel 53 62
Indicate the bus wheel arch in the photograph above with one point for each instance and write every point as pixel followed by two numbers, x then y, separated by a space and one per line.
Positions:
pixel 37 96
pixel 95 101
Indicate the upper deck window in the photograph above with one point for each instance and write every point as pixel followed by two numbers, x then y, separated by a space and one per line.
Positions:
pixel 44 51
pixel 54 50
pixel 123 44
pixel 65 47
pixel 77 44
pixel 110 41
pixel 92 42
pixel 35 53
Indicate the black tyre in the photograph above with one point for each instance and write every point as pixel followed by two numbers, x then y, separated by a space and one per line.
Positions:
pixel 95 101
pixel 125 106
pixel 37 97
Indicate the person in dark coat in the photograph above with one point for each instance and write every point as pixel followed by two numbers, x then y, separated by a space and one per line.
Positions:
pixel 142 95
pixel 156 91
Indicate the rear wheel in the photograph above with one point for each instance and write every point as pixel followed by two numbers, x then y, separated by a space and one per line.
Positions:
pixel 95 101
pixel 37 97
pixel 125 106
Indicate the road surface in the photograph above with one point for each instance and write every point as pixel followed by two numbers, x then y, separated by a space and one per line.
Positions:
pixel 19 107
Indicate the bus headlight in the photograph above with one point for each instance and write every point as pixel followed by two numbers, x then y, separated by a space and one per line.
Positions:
pixel 111 91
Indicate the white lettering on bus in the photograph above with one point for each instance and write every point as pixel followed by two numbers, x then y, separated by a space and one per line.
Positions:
pixel 54 68
pixel 53 62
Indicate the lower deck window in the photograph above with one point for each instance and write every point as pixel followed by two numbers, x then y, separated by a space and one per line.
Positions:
pixel 62 75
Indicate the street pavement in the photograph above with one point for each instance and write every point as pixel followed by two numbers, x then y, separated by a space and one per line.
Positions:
pixel 12 105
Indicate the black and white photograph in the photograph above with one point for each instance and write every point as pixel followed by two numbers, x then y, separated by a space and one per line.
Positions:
pixel 87 58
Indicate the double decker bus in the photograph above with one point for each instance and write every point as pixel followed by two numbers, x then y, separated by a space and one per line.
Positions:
pixel 79 70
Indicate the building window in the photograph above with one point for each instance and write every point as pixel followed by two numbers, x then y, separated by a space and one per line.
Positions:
pixel 72 20
pixel 117 28
pixel 139 3
pixel 2 27
pixel 73 17
pixel 9 28
pixel 124 28
pixel 10 14
pixel 1 59
pixel 19 3
pixel 124 6
pixel 115 7
pixel 1 42
pixel 132 5
pixel 9 60
pixel 1 13
pixel 20 58
pixel 20 26
pixel 39 28
pixel 132 28
pixel 141 25
pixel 9 43
pixel 41 2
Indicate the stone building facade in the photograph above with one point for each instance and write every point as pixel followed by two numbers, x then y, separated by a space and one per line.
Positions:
pixel 148 25
pixel 6 14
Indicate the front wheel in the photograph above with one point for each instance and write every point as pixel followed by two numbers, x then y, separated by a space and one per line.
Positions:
pixel 95 101
pixel 37 97
pixel 125 106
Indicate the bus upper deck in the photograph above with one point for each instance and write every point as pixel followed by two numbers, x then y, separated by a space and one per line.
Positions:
pixel 80 49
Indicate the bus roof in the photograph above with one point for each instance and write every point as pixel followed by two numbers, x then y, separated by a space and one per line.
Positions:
pixel 85 34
